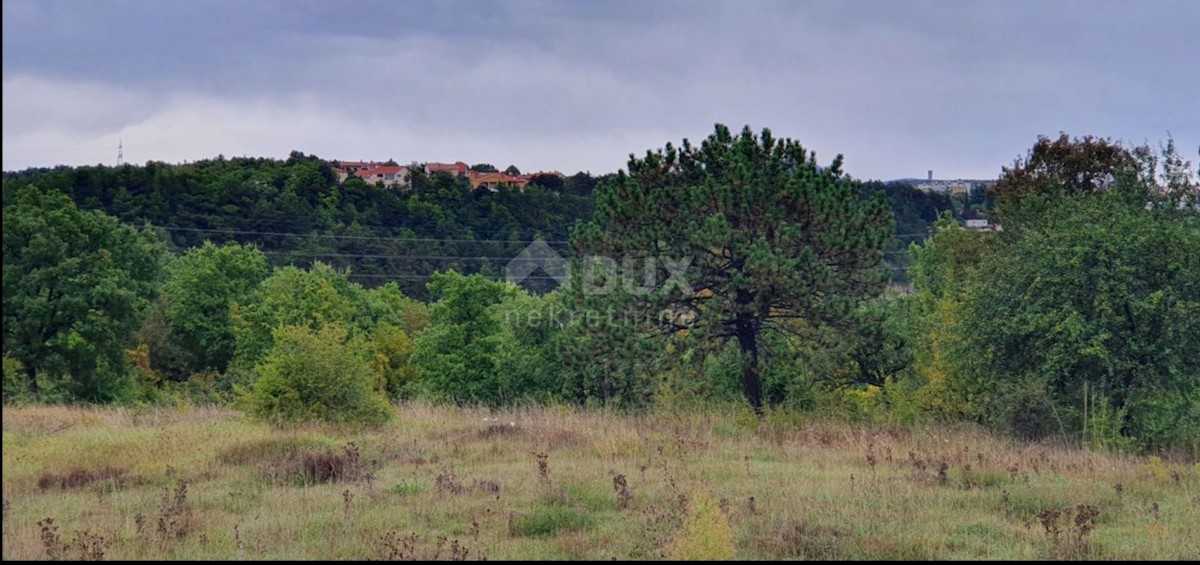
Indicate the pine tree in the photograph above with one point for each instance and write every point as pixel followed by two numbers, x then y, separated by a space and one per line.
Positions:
pixel 777 243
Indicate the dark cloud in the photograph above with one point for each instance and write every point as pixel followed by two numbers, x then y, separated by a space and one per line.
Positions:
pixel 898 87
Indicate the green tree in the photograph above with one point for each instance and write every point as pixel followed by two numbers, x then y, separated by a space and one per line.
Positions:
pixel 548 181
pixel 393 360
pixel 291 297
pixel 512 170
pixel 944 268
pixel 316 374
pixel 1062 167
pixel 776 242
pixel 75 287
pixel 314 298
pixel 1099 300
pixel 201 286
pixel 484 168
pixel 1081 317
pixel 459 355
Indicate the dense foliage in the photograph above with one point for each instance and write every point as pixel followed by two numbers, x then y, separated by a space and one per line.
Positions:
pixel 269 284
pixel 1081 318
pixel 76 284
pixel 201 286
pixel 745 213
pixel 297 213
pixel 316 375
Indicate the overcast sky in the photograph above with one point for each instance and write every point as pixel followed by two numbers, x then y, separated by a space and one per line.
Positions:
pixel 898 87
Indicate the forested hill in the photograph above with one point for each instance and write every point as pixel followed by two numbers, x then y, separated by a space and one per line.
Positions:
pixel 297 213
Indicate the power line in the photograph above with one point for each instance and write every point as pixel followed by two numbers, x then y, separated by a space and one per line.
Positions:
pixel 357 237
pixel 379 256
pixel 371 238
pixel 218 216
pixel 422 277
pixel 415 257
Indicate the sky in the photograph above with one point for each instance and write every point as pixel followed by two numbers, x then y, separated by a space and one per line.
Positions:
pixel 896 86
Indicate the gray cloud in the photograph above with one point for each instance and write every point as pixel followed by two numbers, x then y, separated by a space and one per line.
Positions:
pixel 898 87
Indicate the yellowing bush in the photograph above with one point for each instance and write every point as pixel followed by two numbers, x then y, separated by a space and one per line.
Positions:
pixel 706 533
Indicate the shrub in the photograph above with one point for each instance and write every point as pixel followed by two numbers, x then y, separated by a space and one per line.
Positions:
pixel 316 375
pixel 706 533
pixel 16 390
pixel 393 349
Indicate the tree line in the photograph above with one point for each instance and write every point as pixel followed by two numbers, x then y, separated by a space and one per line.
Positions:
pixel 1078 320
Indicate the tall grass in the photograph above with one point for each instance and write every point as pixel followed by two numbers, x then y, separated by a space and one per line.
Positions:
pixel 561 483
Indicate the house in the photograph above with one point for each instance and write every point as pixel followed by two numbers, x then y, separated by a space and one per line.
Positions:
pixel 343 169
pixel 976 221
pixel 493 181
pixel 352 166
pixel 457 168
pixel 392 176
pixel 397 176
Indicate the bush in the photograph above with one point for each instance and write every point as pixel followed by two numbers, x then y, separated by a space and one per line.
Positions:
pixel 316 375
pixel 16 390
pixel 1026 411
pixel 706 533
pixel 393 350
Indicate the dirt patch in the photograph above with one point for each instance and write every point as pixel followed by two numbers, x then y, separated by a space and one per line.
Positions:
pixel 499 431
pixel 78 478
pixel 269 450
pixel 298 461
pixel 800 539
pixel 558 438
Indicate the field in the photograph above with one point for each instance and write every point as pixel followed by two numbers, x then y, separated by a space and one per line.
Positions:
pixel 547 483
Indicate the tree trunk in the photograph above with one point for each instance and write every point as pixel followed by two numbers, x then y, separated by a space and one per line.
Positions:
pixel 31 379
pixel 748 340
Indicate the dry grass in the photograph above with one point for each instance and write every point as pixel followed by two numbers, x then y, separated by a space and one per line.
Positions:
pixel 556 483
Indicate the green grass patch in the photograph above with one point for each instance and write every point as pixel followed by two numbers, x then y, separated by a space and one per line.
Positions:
pixel 549 522
pixel 405 488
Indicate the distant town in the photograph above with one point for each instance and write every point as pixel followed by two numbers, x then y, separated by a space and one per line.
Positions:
pixel 955 186
pixel 392 175
pixel 389 174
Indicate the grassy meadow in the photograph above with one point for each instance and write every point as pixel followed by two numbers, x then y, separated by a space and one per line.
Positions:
pixel 546 483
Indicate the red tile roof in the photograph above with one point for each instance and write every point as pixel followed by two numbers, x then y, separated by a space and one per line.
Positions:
pixel 459 167
pixel 381 170
pixel 478 179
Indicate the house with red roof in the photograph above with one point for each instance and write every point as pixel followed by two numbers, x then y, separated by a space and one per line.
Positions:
pixel 493 181
pixel 458 168
pixel 391 176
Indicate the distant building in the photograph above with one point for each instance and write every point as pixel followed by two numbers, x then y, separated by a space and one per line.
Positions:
pixel 343 169
pixel 391 176
pixel 493 181
pixel 397 176
pixel 956 186
pixel 930 175
pixel 457 168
